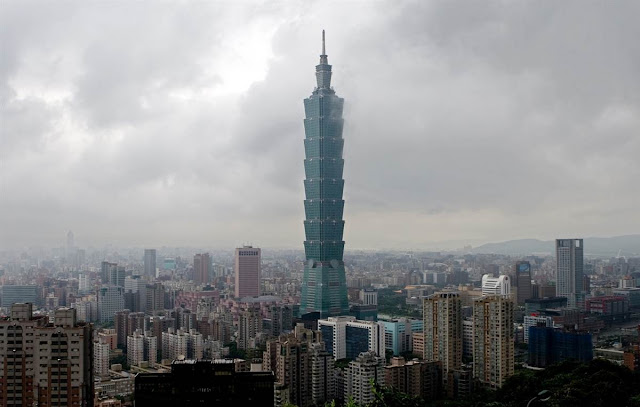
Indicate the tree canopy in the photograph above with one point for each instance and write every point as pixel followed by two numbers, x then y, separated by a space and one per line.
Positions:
pixel 598 383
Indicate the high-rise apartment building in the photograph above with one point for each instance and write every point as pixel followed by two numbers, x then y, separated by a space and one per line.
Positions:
pixel 45 364
pixel 324 287
pixel 110 301
pixel 247 269
pixel 141 348
pixel 155 297
pixel 186 319
pixel 368 367
pixel 249 326
pixel 323 375
pixel 121 324
pixel 417 378
pixel 493 339
pixel 137 321
pixel 151 347
pixel 84 282
pixel 442 313
pixel 101 359
pixel 150 262
pixel 290 357
pixel 569 271
pixel 202 268
pixel 135 349
pixel 467 338
pixel 281 319
pixel 108 336
pixel 159 324
pixel 180 344
pixel 524 290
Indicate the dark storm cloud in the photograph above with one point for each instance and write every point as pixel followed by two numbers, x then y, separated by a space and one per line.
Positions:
pixel 182 124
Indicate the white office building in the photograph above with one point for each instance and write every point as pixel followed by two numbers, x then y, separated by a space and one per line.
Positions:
pixel 347 337
pixel 500 285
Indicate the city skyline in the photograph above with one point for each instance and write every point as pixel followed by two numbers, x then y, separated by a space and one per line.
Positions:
pixel 458 132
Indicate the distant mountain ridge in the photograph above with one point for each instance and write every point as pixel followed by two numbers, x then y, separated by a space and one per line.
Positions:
pixel 628 245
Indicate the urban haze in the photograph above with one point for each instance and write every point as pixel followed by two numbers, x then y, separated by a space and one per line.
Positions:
pixel 319 204
pixel 180 124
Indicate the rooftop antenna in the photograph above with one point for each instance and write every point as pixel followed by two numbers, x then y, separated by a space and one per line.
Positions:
pixel 323 51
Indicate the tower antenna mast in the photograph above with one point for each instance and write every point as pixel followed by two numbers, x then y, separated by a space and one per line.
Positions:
pixel 323 51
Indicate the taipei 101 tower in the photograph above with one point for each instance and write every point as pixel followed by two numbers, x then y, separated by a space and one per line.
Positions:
pixel 324 287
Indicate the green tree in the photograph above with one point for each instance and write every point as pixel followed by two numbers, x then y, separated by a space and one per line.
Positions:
pixel 389 397
pixel 234 352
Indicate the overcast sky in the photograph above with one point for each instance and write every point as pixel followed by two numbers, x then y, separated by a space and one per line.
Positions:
pixel 157 123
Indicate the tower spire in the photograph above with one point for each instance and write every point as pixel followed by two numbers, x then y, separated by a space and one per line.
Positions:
pixel 324 65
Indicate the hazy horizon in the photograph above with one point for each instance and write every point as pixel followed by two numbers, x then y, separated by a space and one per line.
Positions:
pixel 138 124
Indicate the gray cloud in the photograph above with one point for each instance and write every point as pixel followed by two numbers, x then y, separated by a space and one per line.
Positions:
pixel 134 123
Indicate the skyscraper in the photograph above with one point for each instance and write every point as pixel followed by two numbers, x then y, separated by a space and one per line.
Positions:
pixel 150 262
pixel 247 268
pixel 106 270
pixel 110 301
pixel 523 282
pixel 324 287
pixel 135 289
pixel 155 297
pixel 70 240
pixel 569 271
pixel 201 268
pixel 117 275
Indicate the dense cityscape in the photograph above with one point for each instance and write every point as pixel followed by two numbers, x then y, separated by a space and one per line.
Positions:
pixel 163 326
pixel 519 323
pixel 433 325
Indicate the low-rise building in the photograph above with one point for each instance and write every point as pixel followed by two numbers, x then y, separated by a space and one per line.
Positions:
pixel 205 382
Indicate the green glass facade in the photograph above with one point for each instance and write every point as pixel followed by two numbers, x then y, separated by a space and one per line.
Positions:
pixel 324 287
